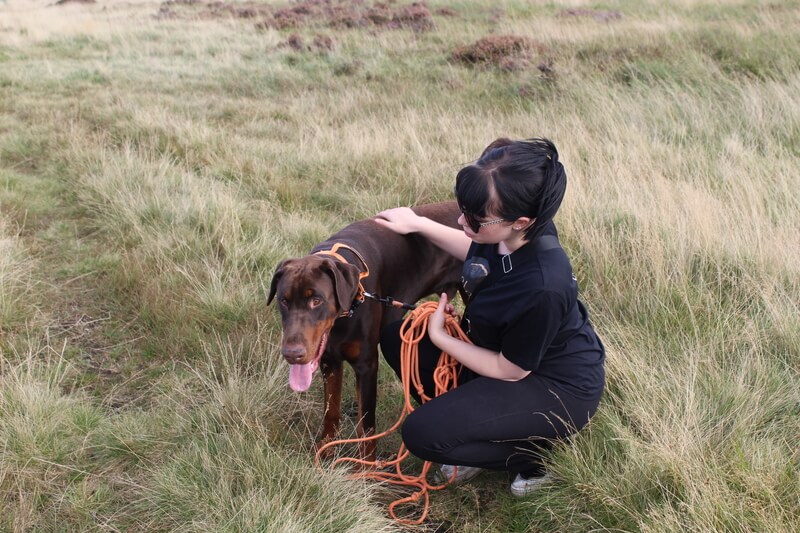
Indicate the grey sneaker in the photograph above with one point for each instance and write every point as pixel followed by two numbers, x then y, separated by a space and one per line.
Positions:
pixel 463 473
pixel 522 487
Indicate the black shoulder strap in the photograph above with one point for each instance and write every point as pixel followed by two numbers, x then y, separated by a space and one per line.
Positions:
pixel 542 244
pixel 546 242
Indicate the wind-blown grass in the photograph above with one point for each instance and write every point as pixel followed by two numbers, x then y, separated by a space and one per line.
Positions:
pixel 15 277
pixel 206 454
pixel 153 171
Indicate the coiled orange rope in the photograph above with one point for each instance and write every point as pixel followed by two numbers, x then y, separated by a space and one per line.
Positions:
pixel 445 378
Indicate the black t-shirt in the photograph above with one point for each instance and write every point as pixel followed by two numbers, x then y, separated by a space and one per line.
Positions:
pixel 531 313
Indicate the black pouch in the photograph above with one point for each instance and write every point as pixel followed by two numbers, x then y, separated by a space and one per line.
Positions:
pixel 475 270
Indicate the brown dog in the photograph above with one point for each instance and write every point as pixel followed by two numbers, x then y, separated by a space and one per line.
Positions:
pixel 316 294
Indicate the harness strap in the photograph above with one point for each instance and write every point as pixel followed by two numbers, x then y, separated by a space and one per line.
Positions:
pixel 333 252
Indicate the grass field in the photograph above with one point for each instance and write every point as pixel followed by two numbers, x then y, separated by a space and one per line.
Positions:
pixel 158 159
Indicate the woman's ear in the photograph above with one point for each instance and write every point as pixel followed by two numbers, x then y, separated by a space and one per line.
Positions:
pixel 523 223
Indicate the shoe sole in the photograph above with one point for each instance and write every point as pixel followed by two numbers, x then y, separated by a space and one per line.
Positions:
pixel 530 489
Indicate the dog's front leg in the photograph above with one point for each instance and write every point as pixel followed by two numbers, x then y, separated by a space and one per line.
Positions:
pixel 367 395
pixel 332 380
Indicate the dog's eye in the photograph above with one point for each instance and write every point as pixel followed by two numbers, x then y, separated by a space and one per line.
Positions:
pixel 284 302
pixel 314 302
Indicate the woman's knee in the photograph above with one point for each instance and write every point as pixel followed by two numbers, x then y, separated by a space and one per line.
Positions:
pixel 416 434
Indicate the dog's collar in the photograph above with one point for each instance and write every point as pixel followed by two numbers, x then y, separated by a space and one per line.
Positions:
pixel 333 252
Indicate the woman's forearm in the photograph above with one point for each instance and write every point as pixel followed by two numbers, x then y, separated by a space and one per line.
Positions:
pixel 451 240
pixel 480 360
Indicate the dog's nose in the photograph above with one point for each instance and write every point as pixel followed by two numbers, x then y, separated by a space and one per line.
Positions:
pixel 294 353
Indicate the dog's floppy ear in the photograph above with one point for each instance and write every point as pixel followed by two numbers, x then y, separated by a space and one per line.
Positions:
pixel 345 281
pixel 279 270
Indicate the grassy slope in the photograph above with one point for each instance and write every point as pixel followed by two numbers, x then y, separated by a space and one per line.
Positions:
pixel 154 171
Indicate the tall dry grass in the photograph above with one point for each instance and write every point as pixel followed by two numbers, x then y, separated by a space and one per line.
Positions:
pixel 15 276
pixel 197 153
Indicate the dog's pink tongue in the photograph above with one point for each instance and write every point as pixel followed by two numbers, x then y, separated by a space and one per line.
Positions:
pixel 300 376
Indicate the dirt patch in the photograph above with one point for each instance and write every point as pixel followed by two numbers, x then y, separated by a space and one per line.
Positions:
pixel 417 16
pixel 309 13
pixel 507 52
pixel 599 15
pixel 320 43
pixel 344 14
pixel 296 42
pixel 447 12
pixel 191 9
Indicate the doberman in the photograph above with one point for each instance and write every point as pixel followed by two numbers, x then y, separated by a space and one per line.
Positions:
pixel 323 323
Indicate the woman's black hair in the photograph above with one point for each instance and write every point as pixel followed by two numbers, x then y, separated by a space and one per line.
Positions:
pixel 514 179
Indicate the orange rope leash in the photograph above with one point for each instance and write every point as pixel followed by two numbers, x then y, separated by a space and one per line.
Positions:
pixel 445 378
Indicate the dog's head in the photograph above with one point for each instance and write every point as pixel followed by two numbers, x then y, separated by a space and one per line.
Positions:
pixel 312 292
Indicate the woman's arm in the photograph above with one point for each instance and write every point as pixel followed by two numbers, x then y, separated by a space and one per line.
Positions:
pixel 403 220
pixel 480 360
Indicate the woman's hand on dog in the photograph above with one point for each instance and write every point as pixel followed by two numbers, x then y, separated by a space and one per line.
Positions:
pixel 401 220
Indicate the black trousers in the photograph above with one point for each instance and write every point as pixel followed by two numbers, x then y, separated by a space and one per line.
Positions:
pixel 486 422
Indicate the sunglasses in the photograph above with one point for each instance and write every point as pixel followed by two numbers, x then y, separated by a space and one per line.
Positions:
pixel 474 224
